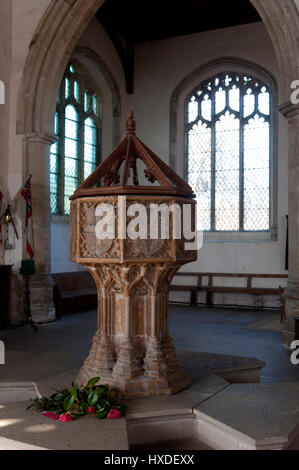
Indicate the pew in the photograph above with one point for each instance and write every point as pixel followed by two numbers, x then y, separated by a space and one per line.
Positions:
pixel 210 288
pixel 73 291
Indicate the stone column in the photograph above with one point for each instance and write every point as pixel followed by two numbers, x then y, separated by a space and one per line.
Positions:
pixel 154 363
pixel 291 112
pixel 127 366
pixel 41 284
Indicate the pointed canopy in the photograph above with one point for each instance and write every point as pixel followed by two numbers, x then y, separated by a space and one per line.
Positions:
pixel 120 174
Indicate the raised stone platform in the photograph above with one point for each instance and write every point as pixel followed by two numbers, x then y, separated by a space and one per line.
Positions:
pixel 158 419
pixel 213 412
pixel 24 430
pixel 152 419
pixel 234 369
pixel 251 416
pixel 15 392
pixel 227 417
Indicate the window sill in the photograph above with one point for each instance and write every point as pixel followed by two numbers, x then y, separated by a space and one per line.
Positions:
pixel 242 237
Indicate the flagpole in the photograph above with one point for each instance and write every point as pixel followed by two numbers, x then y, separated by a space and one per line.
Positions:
pixel 27 265
pixel 26 193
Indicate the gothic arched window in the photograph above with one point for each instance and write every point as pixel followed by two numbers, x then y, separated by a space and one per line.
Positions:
pixel 228 122
pixel 78 129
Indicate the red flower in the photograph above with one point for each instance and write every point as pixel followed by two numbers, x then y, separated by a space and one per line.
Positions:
pixel 50 415
pixel 91 410
pixel 64 418
pixel 114 414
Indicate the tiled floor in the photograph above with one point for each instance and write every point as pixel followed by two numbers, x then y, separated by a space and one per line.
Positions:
pixel 62 346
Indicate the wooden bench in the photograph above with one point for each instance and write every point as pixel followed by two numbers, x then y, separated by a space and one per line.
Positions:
pixel 211 289
pixel 77 291
pixel 192 289
pixel 73 292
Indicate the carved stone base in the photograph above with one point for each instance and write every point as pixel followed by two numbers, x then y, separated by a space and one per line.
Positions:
pixel 154 363
pixel 127 367
pixel 141 386
pixel 159 373
pixel 101 357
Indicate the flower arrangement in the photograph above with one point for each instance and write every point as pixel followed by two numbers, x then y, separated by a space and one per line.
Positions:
pixel 94 400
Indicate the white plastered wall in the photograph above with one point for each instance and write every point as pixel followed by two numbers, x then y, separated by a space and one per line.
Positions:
pixel 97 40
pixel 159 67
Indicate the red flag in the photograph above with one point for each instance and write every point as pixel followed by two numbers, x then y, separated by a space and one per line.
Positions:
pixel 26 193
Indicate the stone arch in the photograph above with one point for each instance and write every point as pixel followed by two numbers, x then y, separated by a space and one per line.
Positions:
pixel 281 19
pixel 115 93
pixel 50 50
pixel 64 22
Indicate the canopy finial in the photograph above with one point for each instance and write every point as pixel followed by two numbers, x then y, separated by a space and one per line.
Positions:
pixel 131 123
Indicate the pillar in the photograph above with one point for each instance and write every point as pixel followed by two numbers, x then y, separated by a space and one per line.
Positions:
pixel 291 112
pixel 41 284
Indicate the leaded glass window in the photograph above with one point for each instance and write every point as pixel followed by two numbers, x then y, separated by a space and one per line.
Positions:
pixel 76 153
pixel 228 152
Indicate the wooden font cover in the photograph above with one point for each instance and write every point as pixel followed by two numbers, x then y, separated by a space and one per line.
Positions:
pixel 119 173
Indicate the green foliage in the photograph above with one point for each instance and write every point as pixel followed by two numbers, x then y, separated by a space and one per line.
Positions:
pixel 93 398
pixel 78 401
pixel 101 414
pixel 68 403
pixel 92 382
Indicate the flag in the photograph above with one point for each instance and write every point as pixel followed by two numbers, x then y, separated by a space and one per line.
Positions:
pixel 3 206
pixel 26 194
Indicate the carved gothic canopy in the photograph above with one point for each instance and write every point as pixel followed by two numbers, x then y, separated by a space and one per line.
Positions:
pixel 132 168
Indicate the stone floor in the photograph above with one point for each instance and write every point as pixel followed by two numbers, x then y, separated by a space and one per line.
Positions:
pixel 62 346
pixel 51 358
pixel 223 331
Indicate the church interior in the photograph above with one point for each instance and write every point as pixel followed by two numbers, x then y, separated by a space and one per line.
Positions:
pixel 189 104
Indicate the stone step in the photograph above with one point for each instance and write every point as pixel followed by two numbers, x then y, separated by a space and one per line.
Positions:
pixel 250 417
pixel 16 392
pixel 169 418
pixel 178 444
